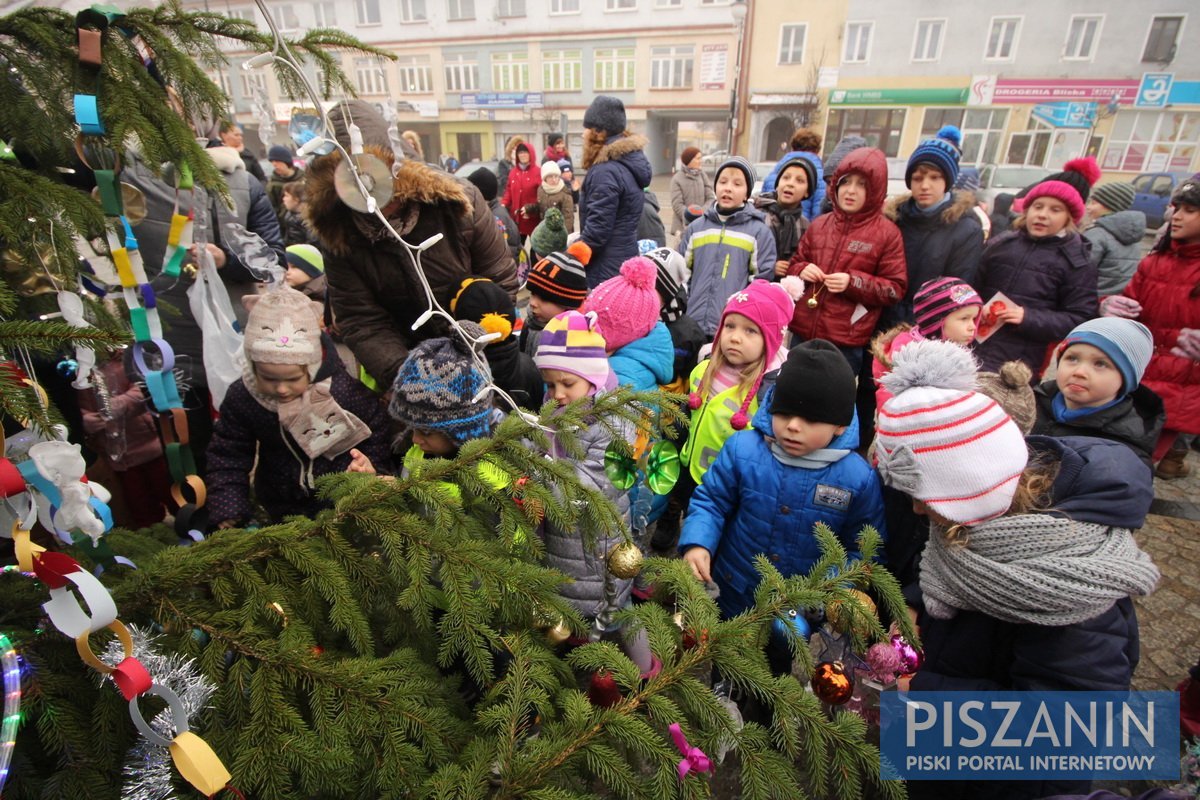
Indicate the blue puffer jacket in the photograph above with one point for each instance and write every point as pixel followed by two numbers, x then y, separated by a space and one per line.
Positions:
pixel 811 206
pixel 610 205
pixel 1100 482
pixel 724 257
pixel 751 503
pixel 647 363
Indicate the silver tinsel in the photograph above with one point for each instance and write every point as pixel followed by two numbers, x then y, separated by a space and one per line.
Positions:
pixel 148 770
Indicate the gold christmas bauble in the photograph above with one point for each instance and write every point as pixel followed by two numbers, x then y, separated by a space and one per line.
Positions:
pixel 558 633
pixel 813 302
pixel 625 560
pixel 841 617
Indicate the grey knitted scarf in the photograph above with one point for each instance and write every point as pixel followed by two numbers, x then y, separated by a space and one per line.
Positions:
pixel 1034 568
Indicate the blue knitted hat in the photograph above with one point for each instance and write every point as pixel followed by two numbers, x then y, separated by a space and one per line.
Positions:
pixel 1128 343
pixel 942 151
pixel 438 389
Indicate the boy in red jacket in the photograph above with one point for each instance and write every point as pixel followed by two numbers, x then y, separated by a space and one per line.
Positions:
pixel 852 260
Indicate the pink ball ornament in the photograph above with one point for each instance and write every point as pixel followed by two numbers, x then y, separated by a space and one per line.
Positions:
pixel 910 657
pixel 693 401
pixel 884 661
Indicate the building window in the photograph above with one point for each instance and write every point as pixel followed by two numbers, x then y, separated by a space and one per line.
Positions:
pixel 324 15
pixel 564 6
pixel 416 75
pixel 285 17
pixel 614 69
pixel 928 43
pixel 791 43
pixel 254 84
pixel 246 14
pixel 366 12
pixel 223 80
pixel 510 8
pixel 369 77
pixel 510 72
pixel 982 131
pixel 461 9
pixel 668 3
pixel 671 67
pixel 1082 35
pixel 881 127
pixel 1152 141
pixel 462 74
pixel 858 42
pixel 620 5
pixel 1002 39
pixel 562 70
pixel 413 11
pixel 1160 44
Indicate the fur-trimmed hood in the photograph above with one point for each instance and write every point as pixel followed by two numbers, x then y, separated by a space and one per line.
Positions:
pixel 882 344
pixel 623 145
pixel 338 226
pixel 510 149
pixel 960 203
pixel 226 158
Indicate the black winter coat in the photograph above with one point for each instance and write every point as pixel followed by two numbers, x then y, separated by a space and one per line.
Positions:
pixel 610 205
pixel 515 373
pixel 1098 482
pixel 1051 278
pixel 650 226
pixel 1136 421
pixel 946 244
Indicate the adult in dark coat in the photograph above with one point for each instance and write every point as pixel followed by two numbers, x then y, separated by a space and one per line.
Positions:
pixel 1098 482
pixel 373 288
pixel 230 135
pixel 612 197
pixel 1002 216
pixel 650 226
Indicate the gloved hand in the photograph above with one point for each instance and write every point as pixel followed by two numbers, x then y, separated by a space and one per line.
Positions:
pixel 1120 306
pixel 1188 344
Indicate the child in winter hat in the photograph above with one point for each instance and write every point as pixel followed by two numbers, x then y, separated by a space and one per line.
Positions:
pixel 305 265
pixel 947 308
pixel 944 443
pixel 296 407
pixel 573 345
pixel 550 235
pixel 485 303
pixel 942 152
pixel 1097 389
pixel 627 306
pixel 556 283
pixel 439 394
pixel 1072 186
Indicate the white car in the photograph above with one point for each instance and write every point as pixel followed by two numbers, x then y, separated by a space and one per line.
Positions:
pixel 997 179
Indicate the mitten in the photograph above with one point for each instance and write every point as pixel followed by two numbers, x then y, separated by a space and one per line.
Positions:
pixel 1188 344
pixel 1120 306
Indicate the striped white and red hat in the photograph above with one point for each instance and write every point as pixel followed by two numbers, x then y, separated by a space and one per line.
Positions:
pixel 944 443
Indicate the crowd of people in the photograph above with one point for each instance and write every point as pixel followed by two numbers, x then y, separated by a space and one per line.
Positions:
pixel 994 394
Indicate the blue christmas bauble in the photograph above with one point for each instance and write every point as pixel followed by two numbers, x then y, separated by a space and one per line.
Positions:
pixel 794 622
pixel 68 368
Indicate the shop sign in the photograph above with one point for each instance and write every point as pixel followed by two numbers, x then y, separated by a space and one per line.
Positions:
pixel 897 97
pixel 502 100
pixel 1050 90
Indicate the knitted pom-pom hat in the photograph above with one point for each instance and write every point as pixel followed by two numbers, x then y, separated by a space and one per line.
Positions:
pixel 572 342
pixel 560 278
pixel 938 299
pixel 550 235
pixel 485 303
pixel 1072 186
pixel 769 306
pixel 942 151
pixel 626 305
pixel 439 388
pixel 944 443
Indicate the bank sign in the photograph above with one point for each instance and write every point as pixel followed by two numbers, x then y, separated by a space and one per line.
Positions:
pixel 1029 735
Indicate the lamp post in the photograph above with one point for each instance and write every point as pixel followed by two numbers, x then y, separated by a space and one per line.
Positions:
pixel 738 10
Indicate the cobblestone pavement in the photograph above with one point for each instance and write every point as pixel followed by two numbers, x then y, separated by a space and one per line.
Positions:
pixel 1170 618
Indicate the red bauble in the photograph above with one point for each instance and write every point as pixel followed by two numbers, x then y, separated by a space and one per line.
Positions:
pixel 831 683
pixel 602 691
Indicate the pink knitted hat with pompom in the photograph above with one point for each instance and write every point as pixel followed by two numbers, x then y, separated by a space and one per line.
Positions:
pixel 769 306
pixel 627 305
pixel 1072 186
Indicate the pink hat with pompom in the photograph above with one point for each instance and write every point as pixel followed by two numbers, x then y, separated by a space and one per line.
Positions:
pixel 1072 186
pixel 769 306
pixel 627 305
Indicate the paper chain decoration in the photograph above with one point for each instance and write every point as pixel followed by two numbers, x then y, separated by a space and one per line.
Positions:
pixel 188 490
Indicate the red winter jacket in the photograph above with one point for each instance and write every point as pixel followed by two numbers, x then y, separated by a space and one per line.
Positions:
pixel 521 192
pixel 866 245
pixel 1167 284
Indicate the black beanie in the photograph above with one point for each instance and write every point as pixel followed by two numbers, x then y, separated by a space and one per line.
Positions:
pixel 816 383
pixel 486 182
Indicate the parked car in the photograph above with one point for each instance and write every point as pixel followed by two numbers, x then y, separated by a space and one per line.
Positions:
pixel 1153 191
pixel 761 170
pixel 997 179
pixel 466 169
